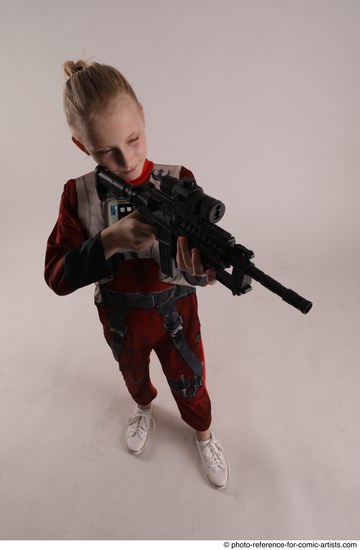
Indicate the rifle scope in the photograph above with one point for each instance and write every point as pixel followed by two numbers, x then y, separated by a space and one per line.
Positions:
pixel 193 197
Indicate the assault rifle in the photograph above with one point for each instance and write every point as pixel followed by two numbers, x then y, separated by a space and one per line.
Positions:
pixel 181 207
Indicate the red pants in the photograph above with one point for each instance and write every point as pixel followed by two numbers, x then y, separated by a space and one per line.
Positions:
pixel 146 332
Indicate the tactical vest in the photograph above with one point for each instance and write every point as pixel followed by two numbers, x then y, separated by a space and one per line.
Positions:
pixel 95 215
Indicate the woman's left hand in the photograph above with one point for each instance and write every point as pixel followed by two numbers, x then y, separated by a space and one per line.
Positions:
pixel 190 261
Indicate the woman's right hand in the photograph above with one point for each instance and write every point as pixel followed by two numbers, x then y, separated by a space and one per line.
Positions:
pixel 129 233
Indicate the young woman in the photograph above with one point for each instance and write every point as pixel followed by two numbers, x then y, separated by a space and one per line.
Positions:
pixel 139 309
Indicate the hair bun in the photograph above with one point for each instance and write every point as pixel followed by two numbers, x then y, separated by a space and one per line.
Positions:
pixel 71 67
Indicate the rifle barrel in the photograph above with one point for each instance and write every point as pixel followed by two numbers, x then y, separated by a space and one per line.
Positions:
pixel 289 296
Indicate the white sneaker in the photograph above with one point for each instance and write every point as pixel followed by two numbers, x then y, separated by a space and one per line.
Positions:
pixel 214 462
pixel 138 428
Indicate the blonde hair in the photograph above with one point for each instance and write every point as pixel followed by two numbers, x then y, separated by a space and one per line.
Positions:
pixel 88 90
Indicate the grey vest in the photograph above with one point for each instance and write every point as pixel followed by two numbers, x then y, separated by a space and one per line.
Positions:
pixel 94 214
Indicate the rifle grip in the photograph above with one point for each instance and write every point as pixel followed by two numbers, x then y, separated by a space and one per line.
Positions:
pixel 166 260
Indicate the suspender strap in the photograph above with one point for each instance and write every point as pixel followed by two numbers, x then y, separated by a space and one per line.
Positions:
pixel 186 388
pixel 118 329
pixel 174 324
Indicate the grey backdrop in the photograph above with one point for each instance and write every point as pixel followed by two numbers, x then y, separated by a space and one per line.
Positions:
pixel 261 100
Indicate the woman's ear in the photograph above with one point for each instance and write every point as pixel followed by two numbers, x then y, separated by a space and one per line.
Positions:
pixel 80 145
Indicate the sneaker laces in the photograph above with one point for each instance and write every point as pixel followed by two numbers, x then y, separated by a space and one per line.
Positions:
pixel 140 423
pixel 213 453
